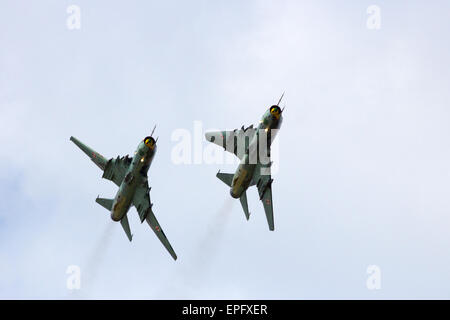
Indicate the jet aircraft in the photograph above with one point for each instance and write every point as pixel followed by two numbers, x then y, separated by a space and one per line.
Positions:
pixel 130 175
pixel 252 147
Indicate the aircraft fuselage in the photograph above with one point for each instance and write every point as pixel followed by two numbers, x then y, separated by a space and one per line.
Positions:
pixel 136 175
pixel 243 175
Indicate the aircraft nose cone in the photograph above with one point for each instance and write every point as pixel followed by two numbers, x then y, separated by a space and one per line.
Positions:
pixel 209 136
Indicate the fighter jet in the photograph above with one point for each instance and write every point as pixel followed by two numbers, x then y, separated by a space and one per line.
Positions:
pixel 252 147
pixel 130 175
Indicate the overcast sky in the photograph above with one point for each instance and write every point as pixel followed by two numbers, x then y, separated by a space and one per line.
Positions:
pixel 364 157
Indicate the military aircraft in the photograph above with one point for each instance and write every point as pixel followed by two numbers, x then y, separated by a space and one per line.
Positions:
pixel 252 147
pixel 130 175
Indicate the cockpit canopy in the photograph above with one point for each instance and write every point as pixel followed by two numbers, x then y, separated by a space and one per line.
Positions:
pixel 150 142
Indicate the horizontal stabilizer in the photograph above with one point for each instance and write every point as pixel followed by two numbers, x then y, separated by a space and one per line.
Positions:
pixel 126 227
pixel 105 203
pixel 227 178
pixel 244 204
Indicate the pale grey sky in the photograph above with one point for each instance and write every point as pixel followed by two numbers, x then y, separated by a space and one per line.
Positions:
pixel 364 164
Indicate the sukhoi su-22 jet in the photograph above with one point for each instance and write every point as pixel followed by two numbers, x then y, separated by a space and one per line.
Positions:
pixel 130 175
pixel 252 147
